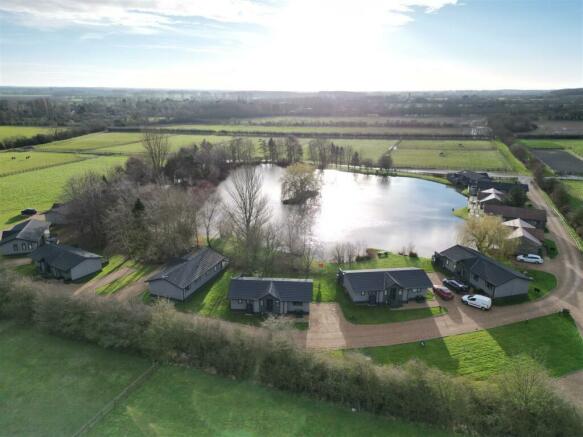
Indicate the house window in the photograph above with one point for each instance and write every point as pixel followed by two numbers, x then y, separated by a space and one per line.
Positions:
pixel 23 246
pixel 241 301
pixel 15 247
pixel 476 278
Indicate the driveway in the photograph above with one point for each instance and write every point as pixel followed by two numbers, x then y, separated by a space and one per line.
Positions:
pixel 329 329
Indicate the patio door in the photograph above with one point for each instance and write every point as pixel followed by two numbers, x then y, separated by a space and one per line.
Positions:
pixel 372 298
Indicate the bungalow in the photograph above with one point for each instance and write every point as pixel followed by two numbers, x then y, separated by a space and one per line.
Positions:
pixel 529 238
pixel 466 178
pixel 270 295
pixel 66 262
pixel 183 276
pixel 481 272
pixel 384 286
pixel 533 216
pixel 504 187
pixel 24 237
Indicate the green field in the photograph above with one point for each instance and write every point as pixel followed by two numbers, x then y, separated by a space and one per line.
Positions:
pixel 22 131
pixel 575 146
pixel 52 386
pixel 40 189
pixel 575 190
pixel 36 160
pixel 554 340
pixel 94 141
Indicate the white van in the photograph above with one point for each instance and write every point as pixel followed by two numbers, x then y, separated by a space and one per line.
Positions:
pixel 477 300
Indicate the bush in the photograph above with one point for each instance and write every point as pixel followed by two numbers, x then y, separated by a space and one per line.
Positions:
pixel 509 406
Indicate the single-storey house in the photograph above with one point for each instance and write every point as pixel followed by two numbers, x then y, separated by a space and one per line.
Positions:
pixel 533 216
pixel 504 187
pixel 529 238
pixel 384 286
pixel 491 199
pixel 481 272
pixel 66 262
pixel 271 295
pixel 57 215
pixel 183 276
pixel 466 178
pixel 24 237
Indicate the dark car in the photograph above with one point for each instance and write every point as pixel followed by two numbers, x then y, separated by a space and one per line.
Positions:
pixel 28 212
pixel 442 292
pixel 456 286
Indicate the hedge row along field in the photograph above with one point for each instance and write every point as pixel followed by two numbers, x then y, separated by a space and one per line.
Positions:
pixel 414 392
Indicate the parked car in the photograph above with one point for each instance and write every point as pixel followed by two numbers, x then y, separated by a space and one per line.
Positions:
pixel 531 258
pixel 477 300
pixel 443 292
pixel 456 286
pixel 28 211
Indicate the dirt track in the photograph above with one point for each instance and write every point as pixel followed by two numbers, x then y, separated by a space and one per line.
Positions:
pixel 329 329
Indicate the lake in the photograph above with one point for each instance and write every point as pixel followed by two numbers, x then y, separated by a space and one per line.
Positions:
pixel 384 213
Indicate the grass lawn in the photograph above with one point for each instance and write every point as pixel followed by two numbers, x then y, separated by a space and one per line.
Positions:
pixel 22 131
pixel 575 146
pixel 50 386
pixel 462 213
pixel 180 402
pixel 139 272
pixel 35 161
pixel 554 340
pixel 41 188
pixel 29 270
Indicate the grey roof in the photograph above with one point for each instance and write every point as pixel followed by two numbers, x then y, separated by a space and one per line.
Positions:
pixel 483 266
pixel 182 272
pixel 62 257
pixel 379 279
pixel 29 230
pixel 284 289
pixel 518 223
pixel 516 212
pixel 523 233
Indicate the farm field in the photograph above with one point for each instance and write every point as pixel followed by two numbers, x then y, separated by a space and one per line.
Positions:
pixel 53 386
pixel 554 340
pixel 353 121
pixel 40 189
pixel 25 161
pixel 90 142
pixel 560 161
pixel 178 401
pixel 21 131
pixel 575 190
pixel 558 127
pixel 372 129
pixel 575 146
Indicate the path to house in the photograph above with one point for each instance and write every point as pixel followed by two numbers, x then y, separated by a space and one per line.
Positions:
pixel 330 330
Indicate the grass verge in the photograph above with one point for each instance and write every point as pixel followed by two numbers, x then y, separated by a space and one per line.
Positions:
pixel 552 340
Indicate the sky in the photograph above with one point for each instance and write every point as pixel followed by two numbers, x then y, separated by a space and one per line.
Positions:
pixel 293 45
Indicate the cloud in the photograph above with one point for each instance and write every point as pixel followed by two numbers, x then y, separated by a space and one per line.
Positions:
pixel 152 16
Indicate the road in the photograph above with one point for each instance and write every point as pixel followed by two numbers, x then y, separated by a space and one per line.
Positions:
pixel 329 329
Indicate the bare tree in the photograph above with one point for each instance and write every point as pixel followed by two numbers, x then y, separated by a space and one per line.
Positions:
pixel 351 252
pixel 488 235
pixel 339 253
pixel 211 213
pixel 248 211
pixel 157 149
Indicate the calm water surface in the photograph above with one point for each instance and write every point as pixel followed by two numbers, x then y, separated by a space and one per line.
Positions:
pixel 385 213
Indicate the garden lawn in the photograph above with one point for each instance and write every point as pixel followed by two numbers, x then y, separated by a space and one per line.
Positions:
pixel 462 213
pixel 22 131
pixel 213 301
pixel 450 159
pixel 140 271
pixel 575 146
pixel 40 189
pixel 51 387
pixel 26 161
pixel 184 402
pixel 553 340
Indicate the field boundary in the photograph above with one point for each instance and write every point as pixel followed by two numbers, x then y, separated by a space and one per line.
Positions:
pixel 132 387
pixel 44 167
pixel 578 242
